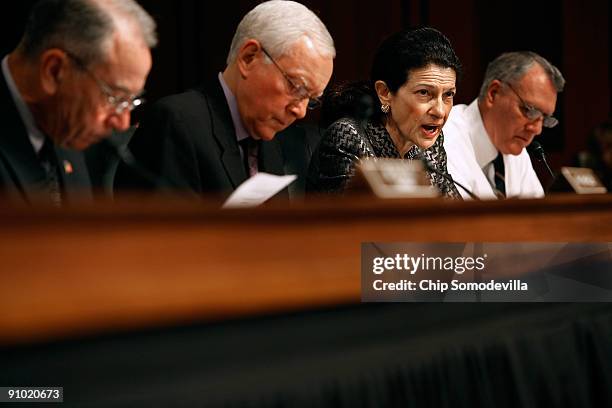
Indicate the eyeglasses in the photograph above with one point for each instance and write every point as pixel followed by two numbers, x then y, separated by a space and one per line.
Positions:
pixel 533 113
pixel 298 92
pixel 118 103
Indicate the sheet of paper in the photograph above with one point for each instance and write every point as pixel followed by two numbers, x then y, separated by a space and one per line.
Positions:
pixel 257 189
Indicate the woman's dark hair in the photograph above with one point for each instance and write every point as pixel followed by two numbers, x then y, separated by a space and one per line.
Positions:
pixel 398 54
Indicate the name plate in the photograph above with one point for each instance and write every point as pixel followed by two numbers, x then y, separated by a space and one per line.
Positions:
pixel 583 180
pixel 396 178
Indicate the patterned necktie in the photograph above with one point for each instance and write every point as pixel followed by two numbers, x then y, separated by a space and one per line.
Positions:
pixel 249 155
pixel 499 178
pixel 48 161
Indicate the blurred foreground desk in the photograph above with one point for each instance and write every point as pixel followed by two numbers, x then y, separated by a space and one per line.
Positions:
pixel 179 304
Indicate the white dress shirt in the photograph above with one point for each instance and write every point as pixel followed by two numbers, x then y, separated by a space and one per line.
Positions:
pixel 470 154
pixel 241 132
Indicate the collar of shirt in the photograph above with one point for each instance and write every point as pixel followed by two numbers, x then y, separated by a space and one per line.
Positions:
pixel 241 132
pixel 484 149
pixel 37 138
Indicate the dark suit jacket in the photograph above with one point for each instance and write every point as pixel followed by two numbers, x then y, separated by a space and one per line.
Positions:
pixel 188 142
pixel 21 175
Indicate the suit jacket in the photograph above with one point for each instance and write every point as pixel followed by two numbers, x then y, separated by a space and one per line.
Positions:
pixel 21 174
pixel 187 142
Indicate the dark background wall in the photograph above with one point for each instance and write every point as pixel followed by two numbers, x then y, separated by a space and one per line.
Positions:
pixel 574 35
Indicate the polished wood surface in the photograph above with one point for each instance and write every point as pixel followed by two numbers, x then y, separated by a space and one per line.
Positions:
pixel 146 263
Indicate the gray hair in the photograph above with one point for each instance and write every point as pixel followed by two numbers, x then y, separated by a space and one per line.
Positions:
pixel 277 25
pixel 511 66
pixel 82 27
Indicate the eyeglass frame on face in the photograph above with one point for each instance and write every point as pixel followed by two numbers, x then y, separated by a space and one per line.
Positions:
pixel 298 92
pixel 119 104
pixel 532 113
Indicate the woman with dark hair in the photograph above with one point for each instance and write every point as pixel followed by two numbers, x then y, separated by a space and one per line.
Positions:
pixel 399 113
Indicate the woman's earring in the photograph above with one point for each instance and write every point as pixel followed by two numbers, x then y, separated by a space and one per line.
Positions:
pixel 385 108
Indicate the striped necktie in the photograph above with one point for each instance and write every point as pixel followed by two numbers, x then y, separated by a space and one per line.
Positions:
pixel 499 178
pixel 52 183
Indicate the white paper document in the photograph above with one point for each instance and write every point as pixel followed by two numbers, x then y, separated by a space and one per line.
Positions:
pixel 257 190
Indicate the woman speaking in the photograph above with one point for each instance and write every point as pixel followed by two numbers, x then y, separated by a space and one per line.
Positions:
pixel 411 88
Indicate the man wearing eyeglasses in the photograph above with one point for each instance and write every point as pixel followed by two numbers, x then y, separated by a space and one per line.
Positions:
pixel 486 140
pixel 211 139
pixel 73 79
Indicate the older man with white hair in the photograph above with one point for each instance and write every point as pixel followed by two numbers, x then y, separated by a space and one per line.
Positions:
pixel 75 76
pixel 211 139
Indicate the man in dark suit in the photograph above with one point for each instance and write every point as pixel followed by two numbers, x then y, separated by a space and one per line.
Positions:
pixel 73 78
pixel 211 139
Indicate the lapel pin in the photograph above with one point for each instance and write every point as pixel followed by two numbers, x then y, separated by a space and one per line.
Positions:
pixel 67 167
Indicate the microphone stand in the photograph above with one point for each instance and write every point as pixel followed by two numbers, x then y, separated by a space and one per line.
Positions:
pixel 430 167
pixel 536 149
pixel 126 157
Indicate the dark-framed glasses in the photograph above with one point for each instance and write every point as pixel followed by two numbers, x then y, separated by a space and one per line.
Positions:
pixel 533 113
pixel 298 91
pixel 119 103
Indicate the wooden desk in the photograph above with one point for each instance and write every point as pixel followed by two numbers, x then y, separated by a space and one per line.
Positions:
pixel 85 271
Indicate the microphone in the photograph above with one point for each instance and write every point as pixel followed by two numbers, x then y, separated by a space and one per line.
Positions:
pixel 124 155
pixel 537 151
pixel 431 168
